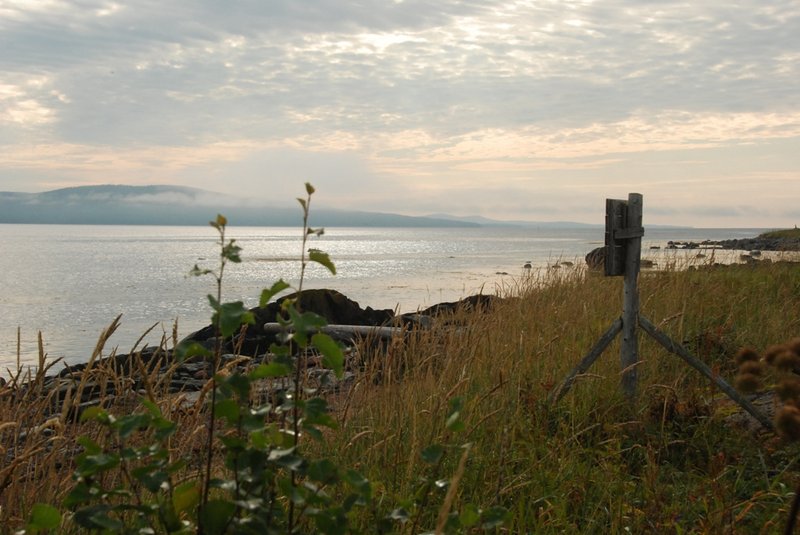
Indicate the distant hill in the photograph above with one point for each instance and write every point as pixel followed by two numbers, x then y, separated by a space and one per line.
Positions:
pixel 177 205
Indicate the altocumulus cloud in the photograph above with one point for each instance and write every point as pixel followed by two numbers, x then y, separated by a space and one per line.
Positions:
pixel 413 106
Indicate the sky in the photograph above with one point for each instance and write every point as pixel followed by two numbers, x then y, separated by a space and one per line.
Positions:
pixel 534 110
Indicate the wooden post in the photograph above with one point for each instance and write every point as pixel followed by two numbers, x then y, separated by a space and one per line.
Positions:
pixel 629 351
pixel 624 234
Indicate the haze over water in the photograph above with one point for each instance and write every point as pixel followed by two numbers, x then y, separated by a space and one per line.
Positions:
pixel 71 281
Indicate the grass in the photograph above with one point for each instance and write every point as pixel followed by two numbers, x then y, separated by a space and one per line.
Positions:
pixel 793 233
pixel 594 463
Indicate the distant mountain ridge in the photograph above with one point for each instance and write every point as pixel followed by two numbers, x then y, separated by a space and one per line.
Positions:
pixel 111 204
pixel 180 205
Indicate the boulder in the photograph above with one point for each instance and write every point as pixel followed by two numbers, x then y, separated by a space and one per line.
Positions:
pixel 334 306
pixel 596 259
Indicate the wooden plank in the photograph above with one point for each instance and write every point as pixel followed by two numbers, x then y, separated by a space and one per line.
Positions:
pixel 347 331
pixel 615 249
pixel 629 350
pixel 556 394
pixel 677 349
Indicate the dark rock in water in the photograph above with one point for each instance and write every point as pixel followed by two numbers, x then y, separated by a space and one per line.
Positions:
pixel 596 259
pixel 478 302
pixel 334 306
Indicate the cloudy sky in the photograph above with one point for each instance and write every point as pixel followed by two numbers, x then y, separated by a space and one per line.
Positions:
pixel 532 109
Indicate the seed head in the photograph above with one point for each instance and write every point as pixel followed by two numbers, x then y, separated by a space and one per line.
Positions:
pixel 745 354
pixel 789 390
pixel 786 360
pixel 788 422
pixel 747 382
pixel 752 367
pixel 772 352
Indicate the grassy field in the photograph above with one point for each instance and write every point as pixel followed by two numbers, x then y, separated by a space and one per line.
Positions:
pixel 793 233
pixel 594 463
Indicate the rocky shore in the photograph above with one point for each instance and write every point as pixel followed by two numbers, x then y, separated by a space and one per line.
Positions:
pixel 88 384
pixel 742 244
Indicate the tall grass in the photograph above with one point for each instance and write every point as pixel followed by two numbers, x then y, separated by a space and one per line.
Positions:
pixel 594 463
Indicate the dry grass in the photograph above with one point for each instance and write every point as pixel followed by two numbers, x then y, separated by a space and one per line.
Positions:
pixel 592 464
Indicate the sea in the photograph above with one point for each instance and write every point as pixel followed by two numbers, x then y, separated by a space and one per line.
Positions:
pixel 68 282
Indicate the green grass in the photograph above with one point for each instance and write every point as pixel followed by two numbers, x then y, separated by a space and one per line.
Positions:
pixel 594 463
pixel 793 233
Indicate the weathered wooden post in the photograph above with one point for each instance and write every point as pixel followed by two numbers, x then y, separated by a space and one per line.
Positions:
pixel 629 352
pixel 623 250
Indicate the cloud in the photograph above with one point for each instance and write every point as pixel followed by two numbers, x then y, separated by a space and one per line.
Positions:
pixel 398 98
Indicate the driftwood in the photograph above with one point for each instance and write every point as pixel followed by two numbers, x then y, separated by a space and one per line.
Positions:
pixel 347 332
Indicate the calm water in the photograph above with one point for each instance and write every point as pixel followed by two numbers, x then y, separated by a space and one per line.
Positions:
pixel 70 281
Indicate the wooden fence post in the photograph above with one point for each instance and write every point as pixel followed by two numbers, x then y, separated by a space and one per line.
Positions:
pixel 629 351
pixel 624 235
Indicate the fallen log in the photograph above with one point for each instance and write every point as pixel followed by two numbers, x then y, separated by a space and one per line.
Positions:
pixel 347 332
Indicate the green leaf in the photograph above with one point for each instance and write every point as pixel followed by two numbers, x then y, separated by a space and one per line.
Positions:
pixel 323 471
pixel 187 349
pixel 273 369
pixel 240 384
pixel 186 496
pixel 315 255
pixel 268 293
pixel 43 516
pixel 95 413
pixel 96 517
pixel 199 272
pixel 454 422
pixel 433 453
pixel 231 251
pixel 303 203
pixel 228 409
pixel 80 494
pixel 494 517
pixel 316 413
pixel 231 316
pixel 332 354
pixel 94 464
pixel 152 408
pixel 127 425
pixel 90 447
pixel 310 189
pixel 469 516
pixel 304 324
pixel 151 476
pixel 286 458
pixel 359 483
pixel 216 515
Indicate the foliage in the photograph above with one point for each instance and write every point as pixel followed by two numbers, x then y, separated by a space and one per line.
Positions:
pixel 257 473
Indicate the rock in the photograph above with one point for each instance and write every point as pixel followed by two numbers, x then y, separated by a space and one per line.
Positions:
pixel 596 259
pixel 334 306
pixel 474 302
